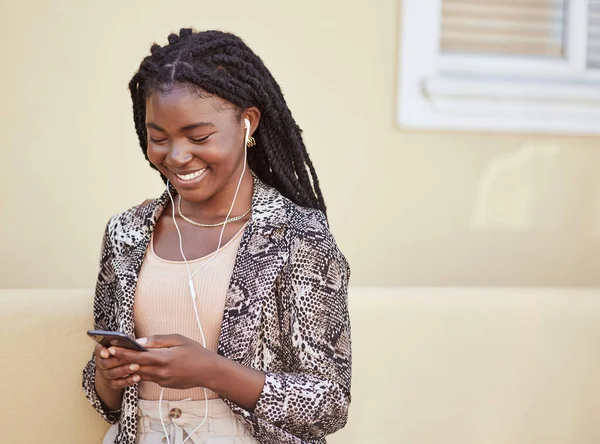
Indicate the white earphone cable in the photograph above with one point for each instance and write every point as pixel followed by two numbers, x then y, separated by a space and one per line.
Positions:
pixel 191 283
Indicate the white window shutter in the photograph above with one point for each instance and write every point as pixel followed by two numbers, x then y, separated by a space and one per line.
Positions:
pixel 593 44
pixel 507 27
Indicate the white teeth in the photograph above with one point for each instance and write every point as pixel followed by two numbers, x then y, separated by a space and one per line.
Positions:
pixel 191 175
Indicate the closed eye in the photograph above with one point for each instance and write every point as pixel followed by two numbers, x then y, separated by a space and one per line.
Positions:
pixel 163 141
pixel 202 139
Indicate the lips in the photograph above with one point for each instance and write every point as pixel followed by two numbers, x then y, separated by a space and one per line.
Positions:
pixel 191 176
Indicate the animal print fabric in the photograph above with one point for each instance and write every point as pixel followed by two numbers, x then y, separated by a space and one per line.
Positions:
pixel 285 314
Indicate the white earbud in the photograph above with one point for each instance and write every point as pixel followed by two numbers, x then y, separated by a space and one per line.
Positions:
pixel 247 127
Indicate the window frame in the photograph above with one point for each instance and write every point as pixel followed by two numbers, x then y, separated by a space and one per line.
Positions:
pixel 483 92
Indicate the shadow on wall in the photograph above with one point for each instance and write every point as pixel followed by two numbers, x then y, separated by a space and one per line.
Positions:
pixel 514 187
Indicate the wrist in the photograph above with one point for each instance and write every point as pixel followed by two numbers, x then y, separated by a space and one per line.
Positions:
pixel 109 397
pixel 215 372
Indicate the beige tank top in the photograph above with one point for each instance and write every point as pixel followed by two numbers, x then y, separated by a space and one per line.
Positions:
pixel 163 305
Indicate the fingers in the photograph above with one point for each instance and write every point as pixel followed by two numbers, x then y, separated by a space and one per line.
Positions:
pixel 154 374
pixel 162 341
pixel 119 384
pixel 135 357
pixel 121 376
pixel 104 360
pixel 120 372
pixel 130 374
pixel 101 352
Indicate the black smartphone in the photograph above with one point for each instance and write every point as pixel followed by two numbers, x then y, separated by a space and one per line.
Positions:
pixel 115 338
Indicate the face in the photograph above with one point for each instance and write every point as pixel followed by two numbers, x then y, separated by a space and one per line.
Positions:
pixel 197 143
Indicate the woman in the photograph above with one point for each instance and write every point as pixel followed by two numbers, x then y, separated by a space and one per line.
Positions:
pixel 231 279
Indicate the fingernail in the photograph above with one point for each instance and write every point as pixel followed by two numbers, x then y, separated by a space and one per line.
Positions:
pixel 104 354
pixel 136 378
pixel 134 367
pixel 112 351
pixel 142 341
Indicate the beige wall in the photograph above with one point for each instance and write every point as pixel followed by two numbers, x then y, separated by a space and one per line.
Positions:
pixel 407 208
pixel 443 366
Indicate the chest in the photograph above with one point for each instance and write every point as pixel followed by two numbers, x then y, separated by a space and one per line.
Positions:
pixel 163 302
pixel 196 242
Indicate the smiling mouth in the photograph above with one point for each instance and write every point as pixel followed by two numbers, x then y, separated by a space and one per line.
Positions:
pixel 191 176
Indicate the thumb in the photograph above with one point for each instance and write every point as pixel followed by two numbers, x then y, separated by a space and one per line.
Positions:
pixel 160 341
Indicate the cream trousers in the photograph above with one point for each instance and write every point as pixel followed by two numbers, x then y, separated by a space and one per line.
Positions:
pixel 181 418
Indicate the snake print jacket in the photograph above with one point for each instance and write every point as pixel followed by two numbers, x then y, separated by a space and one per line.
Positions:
pixel 285 314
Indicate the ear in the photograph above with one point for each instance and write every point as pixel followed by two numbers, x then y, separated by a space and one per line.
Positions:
pixel 253 115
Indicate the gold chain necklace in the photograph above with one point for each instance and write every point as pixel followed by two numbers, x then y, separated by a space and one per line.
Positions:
pixel 231 219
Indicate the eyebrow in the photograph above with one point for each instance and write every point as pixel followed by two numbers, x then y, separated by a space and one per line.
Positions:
pixel 182 129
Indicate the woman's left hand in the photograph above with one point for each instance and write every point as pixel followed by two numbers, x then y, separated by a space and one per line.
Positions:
pixel 172 361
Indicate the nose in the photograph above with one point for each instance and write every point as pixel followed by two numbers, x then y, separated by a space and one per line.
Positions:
pixel 179 155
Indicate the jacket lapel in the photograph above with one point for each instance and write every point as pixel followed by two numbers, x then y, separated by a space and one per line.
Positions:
pixel 260 257
pixel 131 240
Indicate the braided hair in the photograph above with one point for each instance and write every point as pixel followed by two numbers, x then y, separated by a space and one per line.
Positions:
pixel 220 64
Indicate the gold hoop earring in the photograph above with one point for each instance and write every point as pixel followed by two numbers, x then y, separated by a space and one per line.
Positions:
pixel 251 142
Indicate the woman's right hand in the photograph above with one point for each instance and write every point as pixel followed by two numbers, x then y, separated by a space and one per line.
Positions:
pixel 113 371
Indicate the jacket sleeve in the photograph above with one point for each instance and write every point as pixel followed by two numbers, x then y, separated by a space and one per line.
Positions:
pixel 311 400
pixel 104 319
